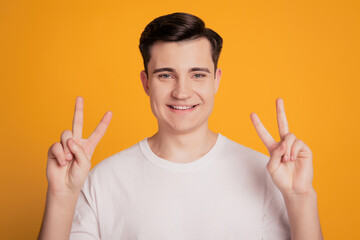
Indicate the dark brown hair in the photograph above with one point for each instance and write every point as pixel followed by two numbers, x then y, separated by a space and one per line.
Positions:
pixel 177 27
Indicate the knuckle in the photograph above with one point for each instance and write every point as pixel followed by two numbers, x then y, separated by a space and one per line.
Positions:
pixel 51 149
pixel 59 148
pixel 65 137
pixel 53 146
pixel 66 134
pixel 298 142
pixel 56 149
pixel 290 135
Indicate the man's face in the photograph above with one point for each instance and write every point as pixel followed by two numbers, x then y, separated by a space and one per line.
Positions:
pixel 181 84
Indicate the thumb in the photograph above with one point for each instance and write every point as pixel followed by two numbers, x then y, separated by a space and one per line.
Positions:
pixel 275 158
pixel 79 152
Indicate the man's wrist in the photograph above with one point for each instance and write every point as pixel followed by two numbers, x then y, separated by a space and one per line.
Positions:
pixel 299 197
pixel 63 193
pixel 303 215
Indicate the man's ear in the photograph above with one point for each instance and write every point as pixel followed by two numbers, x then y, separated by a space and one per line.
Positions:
pixel 145 81
pixel 217 79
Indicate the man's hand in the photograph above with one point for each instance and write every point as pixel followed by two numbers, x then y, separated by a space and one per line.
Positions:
pixel 69 160
pixel 67 168
pixel 291 170
pixel 290 164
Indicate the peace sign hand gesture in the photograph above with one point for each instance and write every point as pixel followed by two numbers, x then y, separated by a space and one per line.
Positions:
pixel 290 164
pixel 69 160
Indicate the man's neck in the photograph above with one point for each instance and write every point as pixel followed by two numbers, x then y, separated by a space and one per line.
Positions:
pixel 182 147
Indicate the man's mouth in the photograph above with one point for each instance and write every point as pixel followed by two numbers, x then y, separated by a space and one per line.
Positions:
pixel 182 107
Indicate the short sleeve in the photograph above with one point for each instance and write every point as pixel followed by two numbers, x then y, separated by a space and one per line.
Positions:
pixel 85 224
pixel 275 222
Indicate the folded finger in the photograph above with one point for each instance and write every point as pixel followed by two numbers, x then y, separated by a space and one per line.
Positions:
pixel 275 157
pixel 65 136
pixel 56 151
pixel 297 146
pixel 79 153
pixel 289 139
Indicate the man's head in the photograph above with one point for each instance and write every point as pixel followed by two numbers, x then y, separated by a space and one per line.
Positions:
pixel 177 27
pixel 180 76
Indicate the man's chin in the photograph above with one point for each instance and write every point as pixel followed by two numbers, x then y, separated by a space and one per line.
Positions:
pixel 182 128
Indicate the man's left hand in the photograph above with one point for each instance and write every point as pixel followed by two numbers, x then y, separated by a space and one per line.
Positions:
pixel 290 164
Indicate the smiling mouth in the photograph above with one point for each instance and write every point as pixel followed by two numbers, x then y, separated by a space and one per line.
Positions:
pixel 180 107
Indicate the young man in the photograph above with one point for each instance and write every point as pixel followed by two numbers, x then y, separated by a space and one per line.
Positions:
pixel 184 182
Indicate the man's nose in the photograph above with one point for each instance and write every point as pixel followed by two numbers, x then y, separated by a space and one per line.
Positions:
pixel 182 89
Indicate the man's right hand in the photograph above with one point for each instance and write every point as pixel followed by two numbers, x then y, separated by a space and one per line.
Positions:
pixel 68 161
pixel 68 165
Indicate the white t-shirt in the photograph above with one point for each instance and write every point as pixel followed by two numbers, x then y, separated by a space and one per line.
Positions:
pixel 226 194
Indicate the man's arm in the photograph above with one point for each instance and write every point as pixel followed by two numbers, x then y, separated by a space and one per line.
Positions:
pixel 303 216
pixel 58 216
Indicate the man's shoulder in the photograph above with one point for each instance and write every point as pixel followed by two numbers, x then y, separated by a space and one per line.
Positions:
pixel 239 151
pixel 120 161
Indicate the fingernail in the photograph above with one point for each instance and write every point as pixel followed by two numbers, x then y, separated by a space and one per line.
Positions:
pixel 286 157
pixel 69 156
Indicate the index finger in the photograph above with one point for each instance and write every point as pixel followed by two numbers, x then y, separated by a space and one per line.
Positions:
pixel 77 126
pixel 100 130
pixel 264 135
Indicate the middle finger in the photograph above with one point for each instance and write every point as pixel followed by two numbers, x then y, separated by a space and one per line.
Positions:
pixel 281 118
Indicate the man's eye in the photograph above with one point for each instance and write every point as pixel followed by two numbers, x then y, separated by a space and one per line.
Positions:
pixel 164 75
pixel 199 75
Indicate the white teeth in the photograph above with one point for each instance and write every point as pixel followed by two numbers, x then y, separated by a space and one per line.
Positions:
pixel 181 107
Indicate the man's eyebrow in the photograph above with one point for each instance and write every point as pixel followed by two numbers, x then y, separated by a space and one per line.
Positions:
pixel 199 69
pixel 194 69
pixel 166 69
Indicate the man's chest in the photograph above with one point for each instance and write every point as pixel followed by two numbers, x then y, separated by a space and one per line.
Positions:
pixel 205 207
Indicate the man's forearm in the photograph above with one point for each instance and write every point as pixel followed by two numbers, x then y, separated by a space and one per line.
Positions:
pixel 303 216
pixel 58 216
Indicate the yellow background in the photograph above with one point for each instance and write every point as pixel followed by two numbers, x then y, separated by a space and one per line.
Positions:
pixel 304 51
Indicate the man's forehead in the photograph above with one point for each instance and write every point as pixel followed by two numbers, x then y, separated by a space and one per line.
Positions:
pixel 183 54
